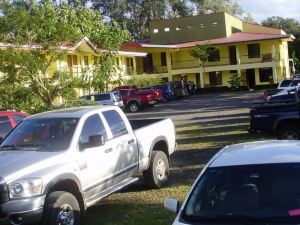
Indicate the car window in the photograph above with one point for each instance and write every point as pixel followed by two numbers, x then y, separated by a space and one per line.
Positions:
pixel 18 118
pixel 260 192
pixel 123 92
pixel 295 83
pixel 44 134
pixel 118 96
pixel 102 97
pixel 115 122
pixel 92 126
pixel 285 83
pixel 5 126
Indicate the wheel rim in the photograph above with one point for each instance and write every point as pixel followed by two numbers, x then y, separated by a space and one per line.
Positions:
pixel 133 107
pixel 290 135
pixel 160 169
pixel 65 215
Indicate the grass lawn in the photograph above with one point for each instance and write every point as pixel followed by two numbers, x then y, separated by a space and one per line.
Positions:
pixel 199 138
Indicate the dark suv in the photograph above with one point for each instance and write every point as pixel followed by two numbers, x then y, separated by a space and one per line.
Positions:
pixel 9 118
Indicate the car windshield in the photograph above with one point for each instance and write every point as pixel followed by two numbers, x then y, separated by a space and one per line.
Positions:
pixel 268 193
pixel 41 134
pixel 295 83
pixel 285 83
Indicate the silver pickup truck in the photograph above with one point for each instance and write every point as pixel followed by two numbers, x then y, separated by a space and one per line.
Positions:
pixel 54 165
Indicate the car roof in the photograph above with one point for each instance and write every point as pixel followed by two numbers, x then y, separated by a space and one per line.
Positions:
pixel 75 112
pixel 265 152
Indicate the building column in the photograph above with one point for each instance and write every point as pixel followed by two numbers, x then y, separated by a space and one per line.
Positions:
pixel 273 53
pixel 238 60
pixel 274 75
pixel 134 65
pixel 169 65
pixel 202 78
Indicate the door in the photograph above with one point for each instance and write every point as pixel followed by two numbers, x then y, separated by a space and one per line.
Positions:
pixel 232 55
pixel 148 63
pixel 95 163
pixel 250 75
pixel 125 146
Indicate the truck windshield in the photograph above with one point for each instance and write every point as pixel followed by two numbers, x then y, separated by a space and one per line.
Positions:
pixel 264 194
pixel 41 134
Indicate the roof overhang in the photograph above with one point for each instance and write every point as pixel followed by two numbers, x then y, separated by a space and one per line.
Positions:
pixel 128 53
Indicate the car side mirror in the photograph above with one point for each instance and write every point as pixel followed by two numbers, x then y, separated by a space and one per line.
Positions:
pixel 94 141
pixel 172 205
pixel 1 139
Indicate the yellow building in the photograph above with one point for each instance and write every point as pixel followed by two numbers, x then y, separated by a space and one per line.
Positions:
pixel 256 53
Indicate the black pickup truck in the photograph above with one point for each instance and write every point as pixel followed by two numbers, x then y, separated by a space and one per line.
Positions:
pixel 281 118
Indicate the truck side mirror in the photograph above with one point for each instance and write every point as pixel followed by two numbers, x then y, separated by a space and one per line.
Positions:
pixel 96 140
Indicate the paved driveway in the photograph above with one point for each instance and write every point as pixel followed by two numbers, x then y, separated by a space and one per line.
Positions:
pixel 204 124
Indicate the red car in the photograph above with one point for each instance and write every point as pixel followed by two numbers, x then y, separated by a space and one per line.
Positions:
pixel 135 100
pixel 150 90
pixel 9 118
pixel 124 87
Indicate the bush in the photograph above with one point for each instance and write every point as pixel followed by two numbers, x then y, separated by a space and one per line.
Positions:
pixel 76 103
pixel 235 82
pixel 143 80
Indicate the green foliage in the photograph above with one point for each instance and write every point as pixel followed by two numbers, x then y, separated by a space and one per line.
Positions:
pixel 143 80
pixel 202 52
pixel 75 103
pixel 36 32
pixel 230 6
pixel 235 82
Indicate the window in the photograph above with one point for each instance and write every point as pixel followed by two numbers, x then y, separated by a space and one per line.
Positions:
pixel 215 78
pixel 92 126
pixel 167 29
pixel 155 31
pixel 5 126
pixel 190 27
pixel 234 71
pixel 265 74
pixel 115 122
pixel 178 28
pixel 163 59
pixel 102 97
pixel 86 60
pixel 18 118
pixel 214 56
pixel 235 30
pixel 253 51
pixel 129 62
pixel 72 60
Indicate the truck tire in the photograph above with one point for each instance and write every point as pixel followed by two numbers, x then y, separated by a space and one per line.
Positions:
pixel 288 133
pixel 133 107
pixel 61 208
pixel 157 173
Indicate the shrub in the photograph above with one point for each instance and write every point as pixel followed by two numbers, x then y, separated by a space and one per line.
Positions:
pixel 143 80
pixel 235 82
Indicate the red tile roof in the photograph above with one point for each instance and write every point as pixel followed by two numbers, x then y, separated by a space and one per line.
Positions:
pixel 233 38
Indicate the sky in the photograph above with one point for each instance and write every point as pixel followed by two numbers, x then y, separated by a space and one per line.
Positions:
pixel 262 9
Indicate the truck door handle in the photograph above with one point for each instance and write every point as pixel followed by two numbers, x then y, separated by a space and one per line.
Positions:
pixel 108 150
pixel 131 141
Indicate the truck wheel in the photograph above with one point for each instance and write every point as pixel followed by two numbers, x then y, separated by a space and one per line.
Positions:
pixel 133 107
pixel 288 133
pixel 157 173
pixel 61 208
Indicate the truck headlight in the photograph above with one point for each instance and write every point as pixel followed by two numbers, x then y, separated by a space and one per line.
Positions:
pixel 25 188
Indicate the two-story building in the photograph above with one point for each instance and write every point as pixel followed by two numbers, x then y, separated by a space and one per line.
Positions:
pixel 257 53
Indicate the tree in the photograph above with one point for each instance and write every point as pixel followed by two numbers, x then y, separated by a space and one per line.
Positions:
pixel 290 26
pixel 35 36
pixel 230 6
pixel 202 53
pixel 235 82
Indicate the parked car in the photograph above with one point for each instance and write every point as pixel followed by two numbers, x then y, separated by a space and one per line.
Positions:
pixel 168 94
pixel 135 100
pixel 107 98
pixel 191 88
pixel 124 87
pixel 151 90
pixel 9 118
pixel 249 183
pixel 283 87
pixel 284 95
pixel 280 118
pixel 284 84
pixel 178 89
pixel 55 165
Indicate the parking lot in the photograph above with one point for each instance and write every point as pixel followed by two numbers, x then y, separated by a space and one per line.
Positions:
pixel 204 124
